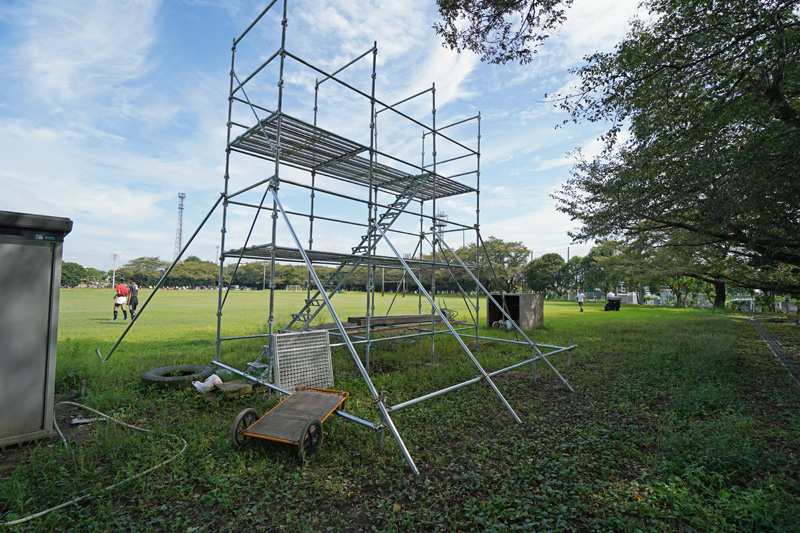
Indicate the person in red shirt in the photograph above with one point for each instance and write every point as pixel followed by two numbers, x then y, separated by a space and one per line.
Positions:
pixel 119 300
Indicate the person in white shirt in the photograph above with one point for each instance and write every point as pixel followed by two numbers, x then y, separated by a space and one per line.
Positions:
pixel 580 298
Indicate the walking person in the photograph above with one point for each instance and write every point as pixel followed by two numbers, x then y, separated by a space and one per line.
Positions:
pixel 580 299
pixel 119 300
pixel 133 298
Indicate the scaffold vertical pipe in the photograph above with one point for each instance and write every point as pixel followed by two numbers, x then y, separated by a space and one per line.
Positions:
pixel 372 205
pixel 224 205
pixel 276 180
pixel 435 221
pixel 312 193
pixel 478 233
pixel 421 230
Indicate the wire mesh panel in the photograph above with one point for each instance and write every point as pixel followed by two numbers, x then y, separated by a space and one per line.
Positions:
pixel 302 359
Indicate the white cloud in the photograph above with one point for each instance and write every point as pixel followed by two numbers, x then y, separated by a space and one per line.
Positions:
pixel 71 53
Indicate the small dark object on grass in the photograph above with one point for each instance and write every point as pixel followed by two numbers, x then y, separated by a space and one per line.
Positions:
pixel 612 304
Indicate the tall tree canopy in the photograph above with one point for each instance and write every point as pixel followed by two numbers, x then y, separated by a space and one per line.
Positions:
pixel 710 93
pixel 499 30
pixel 72 274
pixel 546 273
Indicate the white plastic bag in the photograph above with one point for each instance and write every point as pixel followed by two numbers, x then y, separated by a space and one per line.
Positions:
pixel 204 386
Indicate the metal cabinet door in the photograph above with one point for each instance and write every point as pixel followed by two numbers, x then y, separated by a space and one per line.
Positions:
pixel 26 276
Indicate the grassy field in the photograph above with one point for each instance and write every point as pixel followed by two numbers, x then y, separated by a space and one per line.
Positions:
pixel 680 420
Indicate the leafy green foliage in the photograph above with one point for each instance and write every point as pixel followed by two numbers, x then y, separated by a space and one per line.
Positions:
pixel 145 270
pixel 711 97
pixel 72 274
pixel 546 273
pixel 497 30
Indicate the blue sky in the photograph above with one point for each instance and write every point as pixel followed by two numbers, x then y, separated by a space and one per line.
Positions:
pixel 109 109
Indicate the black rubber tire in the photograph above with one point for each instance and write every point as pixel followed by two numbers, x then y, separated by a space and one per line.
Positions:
pixel 176 377
pixel 310 441
pixel 244 420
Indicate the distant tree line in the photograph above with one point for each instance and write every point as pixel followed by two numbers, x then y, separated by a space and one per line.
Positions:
pixel 608 266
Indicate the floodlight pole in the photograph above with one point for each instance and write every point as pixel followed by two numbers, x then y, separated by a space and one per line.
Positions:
pixel 114 256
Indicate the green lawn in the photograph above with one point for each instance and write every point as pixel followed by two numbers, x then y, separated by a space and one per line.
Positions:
pixel 681 419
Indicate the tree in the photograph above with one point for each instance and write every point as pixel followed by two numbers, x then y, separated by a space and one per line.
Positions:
pixel 575 272
pixel 601 272
pixel 546 273
pixel 72 274
pixel 507 262
pixel 710 93
pixel 94 275
pixel 145 270
pixel 194 273
pixel 499 30
pixel 682 255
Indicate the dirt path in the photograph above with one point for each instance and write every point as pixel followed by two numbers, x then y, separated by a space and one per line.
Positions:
pixel 789 360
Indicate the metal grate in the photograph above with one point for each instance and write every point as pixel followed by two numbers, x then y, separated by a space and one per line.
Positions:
pixel 302 359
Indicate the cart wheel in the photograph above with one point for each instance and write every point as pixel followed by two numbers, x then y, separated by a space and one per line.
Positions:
pixel 310 441
pixel 244 420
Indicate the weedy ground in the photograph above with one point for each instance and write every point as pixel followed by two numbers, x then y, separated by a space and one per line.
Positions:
pixel 681 419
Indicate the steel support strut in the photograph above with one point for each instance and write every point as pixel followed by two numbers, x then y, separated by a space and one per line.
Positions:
pixel 364 374
pixel 446 322
pixel 160 282
pixel 500 307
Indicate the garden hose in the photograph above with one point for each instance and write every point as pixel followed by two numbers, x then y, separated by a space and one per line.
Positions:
pixel 115 485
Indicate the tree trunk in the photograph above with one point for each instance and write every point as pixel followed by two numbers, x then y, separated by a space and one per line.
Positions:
pixel 719 293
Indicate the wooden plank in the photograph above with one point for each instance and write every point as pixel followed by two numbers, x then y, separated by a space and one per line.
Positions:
pixel 392 320
pixel 413 325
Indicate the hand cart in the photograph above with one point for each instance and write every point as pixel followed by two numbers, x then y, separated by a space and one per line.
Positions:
pixel 297 420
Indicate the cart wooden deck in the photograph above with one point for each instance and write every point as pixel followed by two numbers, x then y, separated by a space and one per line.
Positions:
pixel 287 420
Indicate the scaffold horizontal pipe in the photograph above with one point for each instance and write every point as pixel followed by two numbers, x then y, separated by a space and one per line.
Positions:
pixel 250 104
pixel 359 200
pixel 510 341
pixel 400 337
pixel 357 420
pixel 260 336
pixel 449 160
pixel 451 388
pixel 319 217
pixel 463 174
pixel 457 123
pixel 557 350
pixel 514 366
pixel 251 378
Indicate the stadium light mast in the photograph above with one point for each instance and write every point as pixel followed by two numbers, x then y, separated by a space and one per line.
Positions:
pixel 179 232
pixel 114 256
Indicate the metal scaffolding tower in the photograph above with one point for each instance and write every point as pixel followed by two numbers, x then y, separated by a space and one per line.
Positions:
pixel 388 199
